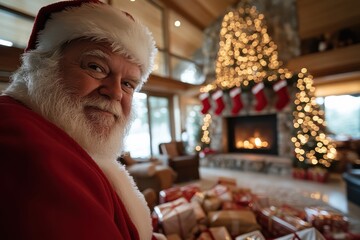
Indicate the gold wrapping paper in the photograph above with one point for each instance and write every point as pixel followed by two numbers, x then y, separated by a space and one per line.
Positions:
pixel 236 222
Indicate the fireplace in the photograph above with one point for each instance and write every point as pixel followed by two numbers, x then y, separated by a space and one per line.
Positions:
pixel 252 134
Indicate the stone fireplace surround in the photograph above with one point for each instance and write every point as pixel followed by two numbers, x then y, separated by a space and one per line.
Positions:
pixel 279 163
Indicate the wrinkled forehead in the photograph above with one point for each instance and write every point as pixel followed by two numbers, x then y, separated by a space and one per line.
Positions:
pixel 101 48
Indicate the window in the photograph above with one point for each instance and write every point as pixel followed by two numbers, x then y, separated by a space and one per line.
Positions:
pixel 160 122
pixel 138 140
pixel 342 115
pixel 186 71
pixel 151 125
pixel 193 132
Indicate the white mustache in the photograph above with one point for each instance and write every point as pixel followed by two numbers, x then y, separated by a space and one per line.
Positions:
pixel 104 105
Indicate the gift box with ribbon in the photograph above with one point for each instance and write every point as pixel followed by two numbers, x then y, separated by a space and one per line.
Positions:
pixel 254 235
pixel 176 217
pixel 215 233
pixel 243 197
pixel 318 174
pixel 276 223
pixel 236 222
pixel 230 205
pixel 226 181
pixel 299 173
pixel 171 194
pixel 325 219
pixel 198 210
pixel 305 234
pixel 220 191
pixel 206 202
pixel 189 191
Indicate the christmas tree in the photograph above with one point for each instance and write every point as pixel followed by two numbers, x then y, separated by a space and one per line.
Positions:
pixel 248 59
pixel 312 147
pixel 247 55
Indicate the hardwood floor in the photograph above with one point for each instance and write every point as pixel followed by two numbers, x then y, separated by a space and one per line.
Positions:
pixel 284 189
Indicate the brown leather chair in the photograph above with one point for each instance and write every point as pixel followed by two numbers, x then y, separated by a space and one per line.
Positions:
pixel 185 165
pixel 149 173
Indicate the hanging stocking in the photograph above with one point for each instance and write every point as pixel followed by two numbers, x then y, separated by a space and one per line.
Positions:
pixel 261 101
pixel 235 95
pixel 204 98
pixel 283 94
pixel 218 98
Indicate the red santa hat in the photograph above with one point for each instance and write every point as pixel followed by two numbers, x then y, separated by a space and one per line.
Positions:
pixel 62 22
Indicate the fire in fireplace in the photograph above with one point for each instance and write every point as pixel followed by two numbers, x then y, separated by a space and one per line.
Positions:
pixel 252 134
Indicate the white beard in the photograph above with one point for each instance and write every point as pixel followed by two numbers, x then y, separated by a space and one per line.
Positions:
pixel 102 137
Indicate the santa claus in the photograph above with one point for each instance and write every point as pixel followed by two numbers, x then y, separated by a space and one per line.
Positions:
pixel 63 120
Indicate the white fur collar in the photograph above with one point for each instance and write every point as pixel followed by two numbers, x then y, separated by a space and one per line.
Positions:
pixel 130 195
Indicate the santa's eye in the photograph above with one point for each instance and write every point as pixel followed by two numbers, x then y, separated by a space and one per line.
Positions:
pixel 96 67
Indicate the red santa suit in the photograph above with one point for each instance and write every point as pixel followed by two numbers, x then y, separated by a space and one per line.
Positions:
pixel 52 189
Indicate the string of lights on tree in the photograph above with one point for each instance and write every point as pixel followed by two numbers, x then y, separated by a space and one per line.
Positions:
pixel 248 57
pixel 312 147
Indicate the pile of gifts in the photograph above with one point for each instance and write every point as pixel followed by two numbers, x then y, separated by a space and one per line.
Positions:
pixel 226 211
pixel 316 174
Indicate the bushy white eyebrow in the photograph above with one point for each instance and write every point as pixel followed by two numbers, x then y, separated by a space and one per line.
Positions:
pixel 97 53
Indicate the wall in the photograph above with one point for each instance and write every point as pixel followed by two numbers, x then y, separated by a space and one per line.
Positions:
pixel 3 85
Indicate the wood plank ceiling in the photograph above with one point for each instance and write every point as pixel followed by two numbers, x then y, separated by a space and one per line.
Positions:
pixel 201 13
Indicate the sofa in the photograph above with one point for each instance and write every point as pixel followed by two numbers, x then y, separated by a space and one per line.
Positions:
pixel 352 179
pixel 149 173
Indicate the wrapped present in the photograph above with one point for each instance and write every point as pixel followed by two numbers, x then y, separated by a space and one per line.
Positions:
pixel 199 197
pixel 254 235
pixel 207 203
pixel 155 222
pixel 259 202
pixel 286 210
pixel 243 198
pixel 305 234
pixel 220 191
pixel 176 217
pixel 189 191
pixel 299 173
pixel 325 219
pixel 230 205
pixel 173 237
pixel 317 174
pixel 236 222
pixel 198 210
pixel 171 194
pixel 341 235
pixel 231 182
pixel 211 204
pixel 276 225
pixel 215 233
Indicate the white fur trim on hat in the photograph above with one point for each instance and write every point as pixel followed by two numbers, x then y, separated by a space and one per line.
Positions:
pixel 101 22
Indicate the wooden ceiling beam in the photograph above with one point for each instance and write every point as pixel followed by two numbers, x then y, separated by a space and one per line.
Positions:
pixel 173 6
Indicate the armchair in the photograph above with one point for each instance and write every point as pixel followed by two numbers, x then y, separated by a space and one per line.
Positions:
pixel 186 166
pixel 149 173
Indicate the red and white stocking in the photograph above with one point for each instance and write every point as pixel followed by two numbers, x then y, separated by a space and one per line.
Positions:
pixel 261 101
pixel 218 98
pixel 235 95
pixel 204 98
pixel 282 93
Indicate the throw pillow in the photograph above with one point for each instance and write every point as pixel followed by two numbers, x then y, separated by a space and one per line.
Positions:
pixel 171 149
